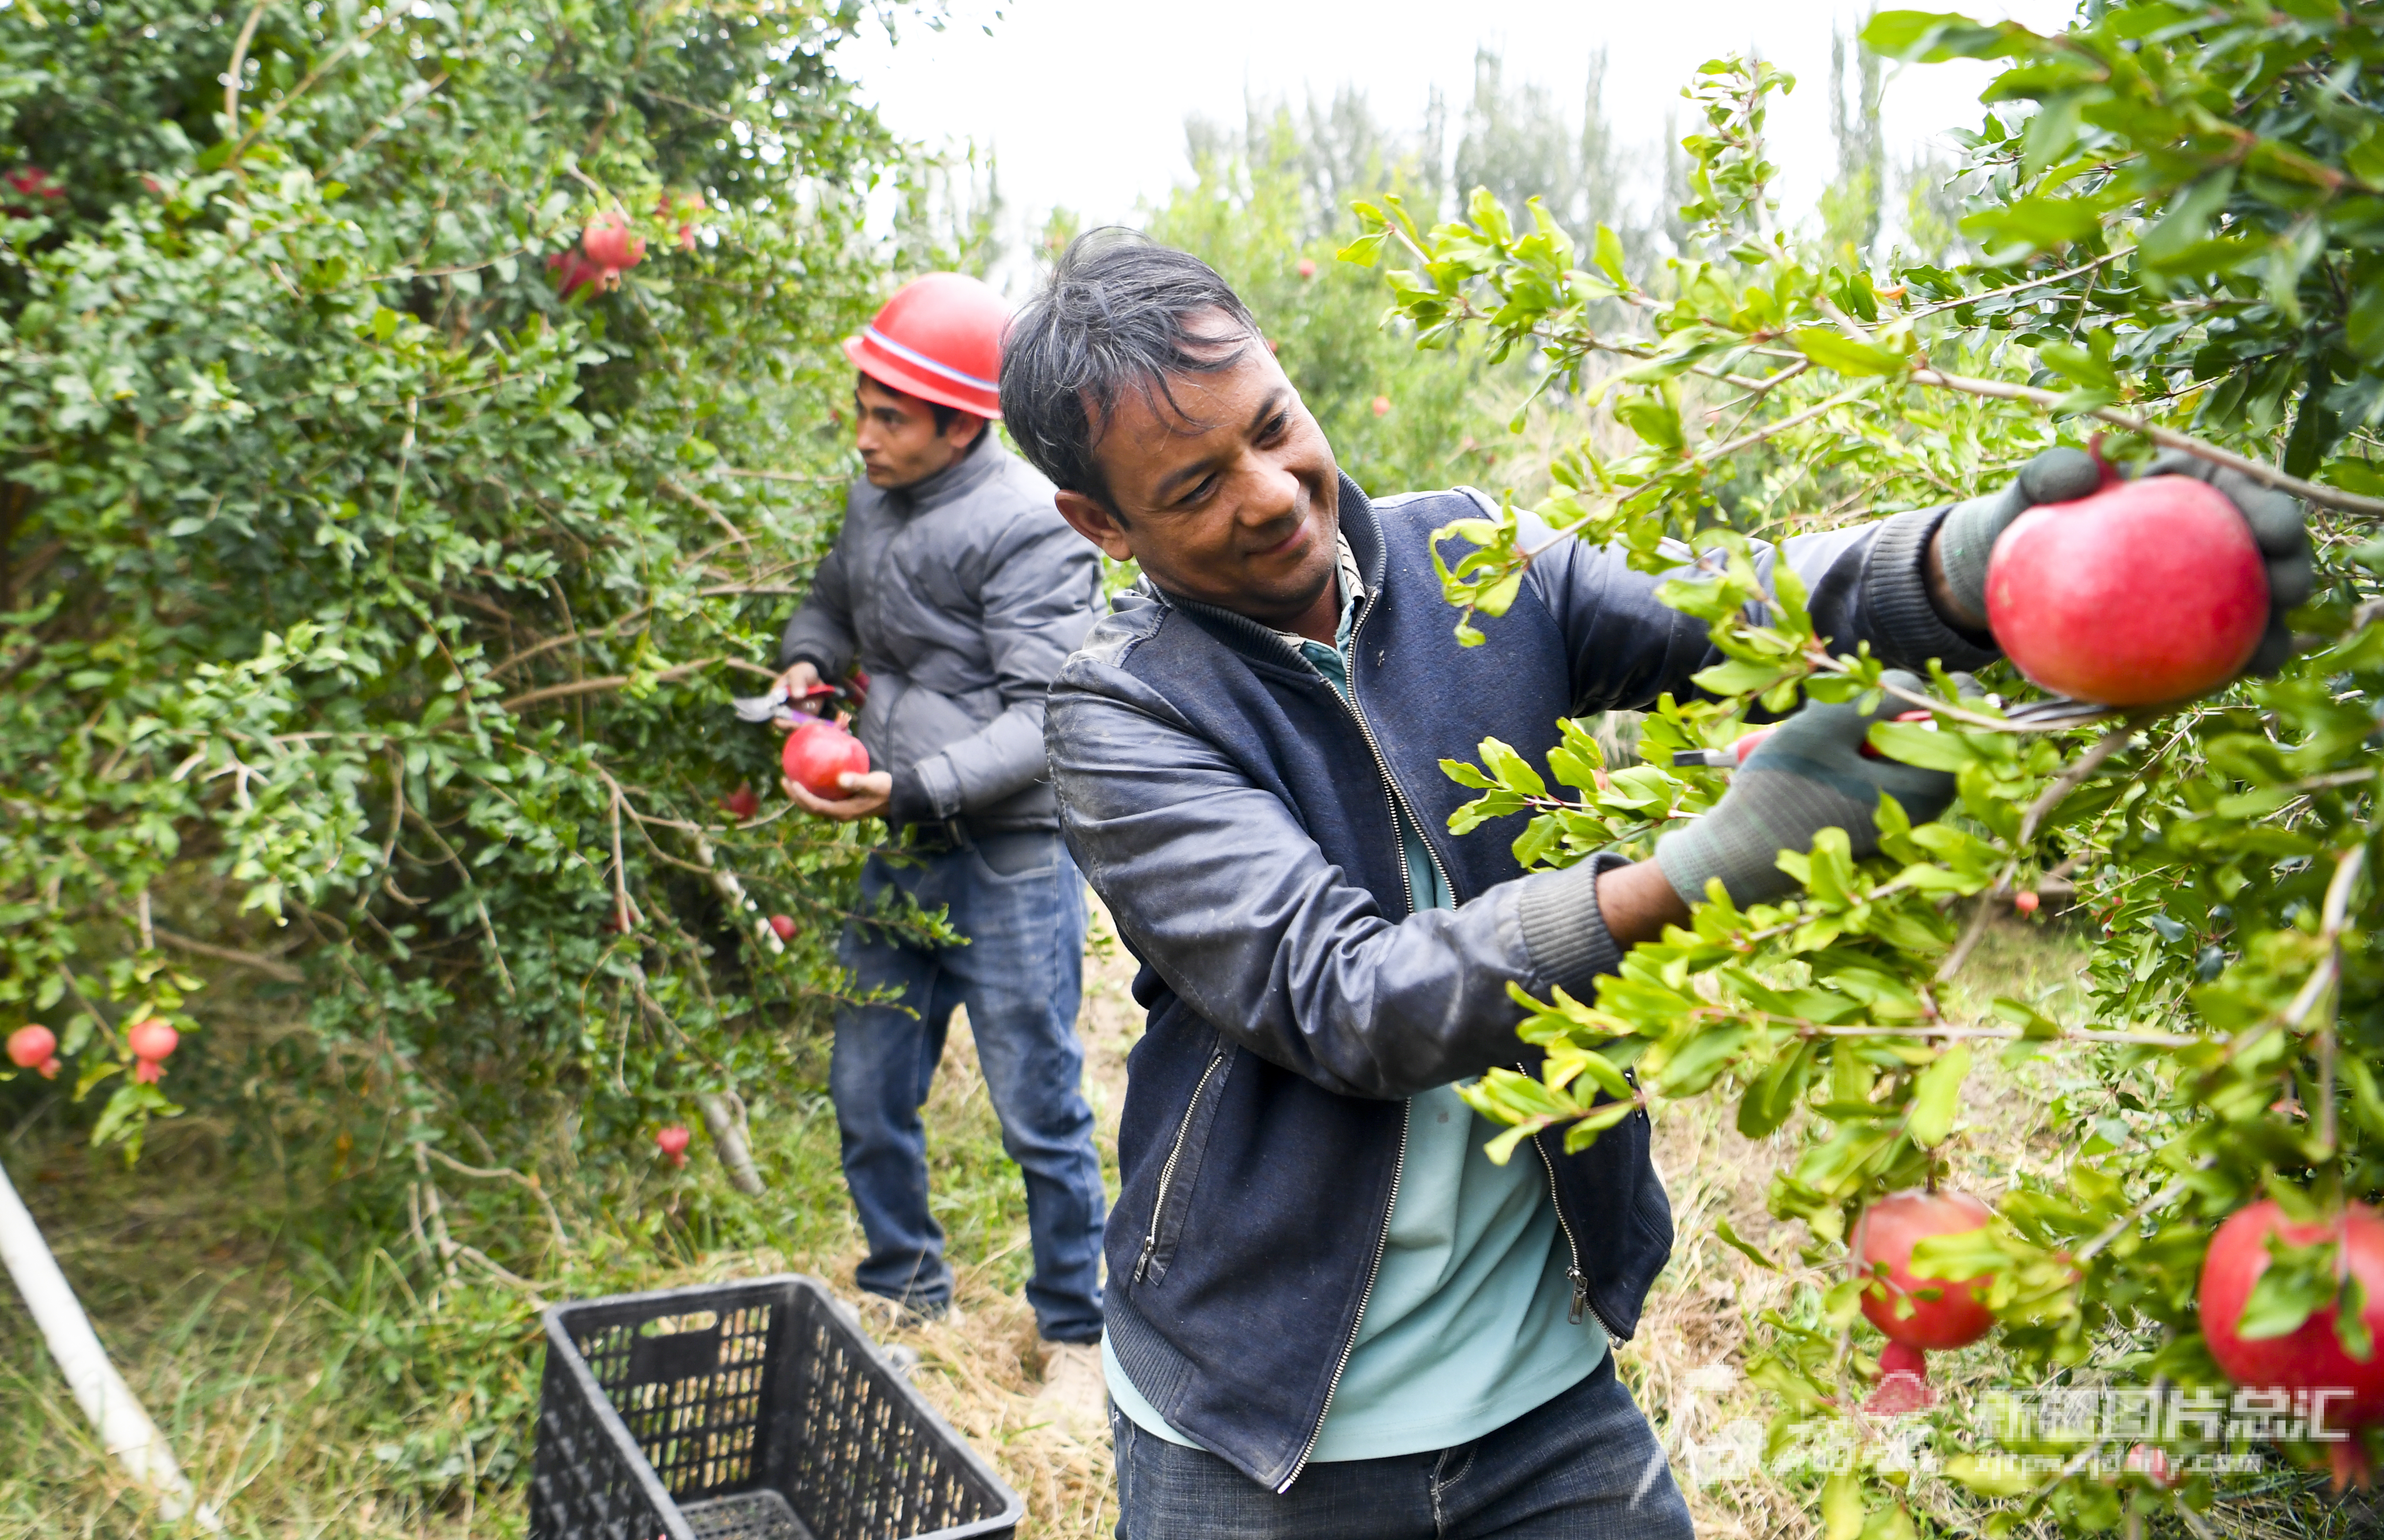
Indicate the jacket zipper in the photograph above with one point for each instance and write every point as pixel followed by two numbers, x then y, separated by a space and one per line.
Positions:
pixel 1381 1244
pixel 1167 1171
pixel 1581 1299
pixel 1399 803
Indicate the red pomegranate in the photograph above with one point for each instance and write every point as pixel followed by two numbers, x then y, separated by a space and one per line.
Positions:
pixel 741 803
pixel 817 753
pixel 2143 593
pixel 1916 1313
pixel 573 272
pixel 784 925
pixel 152 1042
pixel 30 182
pixel 2312 1356
pixel 2026 902
pixel 672 1141
pixel 608 243
pixel 1307 267
pixel 35 1047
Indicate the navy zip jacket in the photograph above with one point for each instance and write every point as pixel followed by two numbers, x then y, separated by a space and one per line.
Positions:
pixel 1237 816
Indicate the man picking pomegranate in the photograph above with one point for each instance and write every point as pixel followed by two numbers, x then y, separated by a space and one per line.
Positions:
pixel 1329 1313
pixel 956 588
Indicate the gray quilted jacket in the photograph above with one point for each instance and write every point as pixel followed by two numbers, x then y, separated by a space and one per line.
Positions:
pixel 959 596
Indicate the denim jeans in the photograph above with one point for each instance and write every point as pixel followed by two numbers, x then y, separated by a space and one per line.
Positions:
pixel 1584 1466
pixel 1020 902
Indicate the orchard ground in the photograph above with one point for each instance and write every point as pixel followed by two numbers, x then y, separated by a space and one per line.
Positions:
pixel 320 1380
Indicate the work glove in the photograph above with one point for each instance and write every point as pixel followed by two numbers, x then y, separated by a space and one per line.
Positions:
pixel 2280 527
pixel 1967 536
pixel 1808 774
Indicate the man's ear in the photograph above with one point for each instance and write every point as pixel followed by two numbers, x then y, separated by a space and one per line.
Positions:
pixel 1089 517
pixel 964 429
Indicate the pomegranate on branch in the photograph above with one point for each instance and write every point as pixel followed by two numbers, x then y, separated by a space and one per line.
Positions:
pixel 1916 1313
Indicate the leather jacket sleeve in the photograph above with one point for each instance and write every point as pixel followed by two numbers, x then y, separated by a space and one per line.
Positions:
pixel 1252 927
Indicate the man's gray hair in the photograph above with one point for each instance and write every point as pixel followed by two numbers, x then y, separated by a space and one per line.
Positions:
pixel 1121 313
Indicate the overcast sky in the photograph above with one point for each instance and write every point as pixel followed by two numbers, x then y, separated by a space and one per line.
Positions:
pixel 1084 101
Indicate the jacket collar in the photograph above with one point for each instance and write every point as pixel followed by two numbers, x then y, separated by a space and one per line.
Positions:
pixel 956 480
pixel 1358 526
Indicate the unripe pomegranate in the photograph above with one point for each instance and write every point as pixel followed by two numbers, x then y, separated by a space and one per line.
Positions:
pixel 741 803
pixel 785 927
pixel 35 1047
pixel 2312 1356
pixel 1307 267
pixel 608 243
pixel 2026 903
pixel 1381 406
pixel 1941 1312
pixel 672 1141
pixel 2143 593
pixel 152 1042
pixel 817 753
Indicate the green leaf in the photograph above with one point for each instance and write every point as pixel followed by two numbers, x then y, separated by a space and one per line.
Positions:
pixel 1834 350
pixel 1729 1238
pixel 1936 1096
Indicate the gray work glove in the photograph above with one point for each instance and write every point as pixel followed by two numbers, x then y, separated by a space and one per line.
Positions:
pixel 1967 536
pixel 1807 774
pixel 2280 527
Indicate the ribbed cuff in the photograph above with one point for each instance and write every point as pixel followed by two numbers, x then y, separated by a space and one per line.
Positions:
pixel 1564 931
pixel 1895 584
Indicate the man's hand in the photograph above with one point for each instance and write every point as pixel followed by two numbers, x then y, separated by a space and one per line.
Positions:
pixel 1807 774
pixel 799 682
pixel 865 794
pixel 1957 557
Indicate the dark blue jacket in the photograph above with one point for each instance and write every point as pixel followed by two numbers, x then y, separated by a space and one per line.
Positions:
pixel 1237 816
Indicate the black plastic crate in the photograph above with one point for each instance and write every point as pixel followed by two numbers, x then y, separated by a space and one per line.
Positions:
pixel 744 1411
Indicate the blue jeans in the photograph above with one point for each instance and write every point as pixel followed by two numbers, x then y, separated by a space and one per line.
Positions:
pixel 1020 902
pixel 1584 1466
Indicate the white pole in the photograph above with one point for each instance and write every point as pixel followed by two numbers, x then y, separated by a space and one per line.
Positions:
pixel 125 1430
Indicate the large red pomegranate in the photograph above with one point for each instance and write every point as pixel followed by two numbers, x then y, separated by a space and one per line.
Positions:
pixel 817 753
pixel 2310 1356
pixel 2143 593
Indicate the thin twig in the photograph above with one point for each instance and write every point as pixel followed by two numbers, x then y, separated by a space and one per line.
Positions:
pixel 239 62
pixel 610 681
pixel 260 964
pixel 507 1173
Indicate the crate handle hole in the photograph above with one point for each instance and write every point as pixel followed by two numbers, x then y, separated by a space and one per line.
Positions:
pixel 674 1325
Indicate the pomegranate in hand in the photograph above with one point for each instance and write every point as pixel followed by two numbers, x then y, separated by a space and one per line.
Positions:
pixel 2143 593
pixel 817 753
pixel 35 1047
pixel 1916 1313
pixel 2312 1356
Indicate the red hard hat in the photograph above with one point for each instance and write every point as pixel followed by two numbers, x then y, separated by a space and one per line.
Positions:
pixel 939 338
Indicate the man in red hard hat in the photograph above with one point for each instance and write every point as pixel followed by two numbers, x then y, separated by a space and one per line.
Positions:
pixel 956 587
